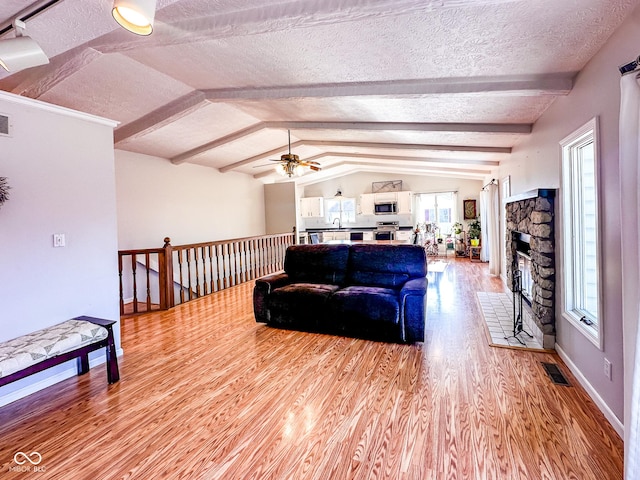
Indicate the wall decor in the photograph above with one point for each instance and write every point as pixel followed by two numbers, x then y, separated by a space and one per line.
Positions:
pixel 4 190
pixel 469 209
pixel 386 186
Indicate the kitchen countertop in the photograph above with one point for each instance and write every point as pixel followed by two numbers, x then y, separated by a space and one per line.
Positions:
pixel 348 229
pixel 349 242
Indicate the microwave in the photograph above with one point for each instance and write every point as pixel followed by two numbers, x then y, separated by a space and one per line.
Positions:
pixel 385 208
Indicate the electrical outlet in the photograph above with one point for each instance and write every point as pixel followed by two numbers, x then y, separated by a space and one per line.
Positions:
pixel 607 369
pixel 58 240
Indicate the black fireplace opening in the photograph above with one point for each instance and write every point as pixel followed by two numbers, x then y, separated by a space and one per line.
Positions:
pixel 522 263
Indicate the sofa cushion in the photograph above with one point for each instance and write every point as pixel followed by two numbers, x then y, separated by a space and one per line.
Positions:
pixel 326 264
pixel 358 303
pixel 299 301
pixel 387 266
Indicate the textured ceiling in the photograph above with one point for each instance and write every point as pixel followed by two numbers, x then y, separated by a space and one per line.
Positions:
pixel 433 87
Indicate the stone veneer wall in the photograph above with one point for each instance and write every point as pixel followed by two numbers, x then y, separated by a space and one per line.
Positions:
pixel 535 216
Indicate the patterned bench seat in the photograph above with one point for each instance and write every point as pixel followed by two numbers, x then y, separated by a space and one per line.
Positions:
pixel 75 338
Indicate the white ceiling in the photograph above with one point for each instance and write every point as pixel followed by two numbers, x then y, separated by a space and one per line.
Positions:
pixel 433 87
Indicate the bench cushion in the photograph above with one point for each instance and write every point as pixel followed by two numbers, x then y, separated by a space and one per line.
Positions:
pixel 27 350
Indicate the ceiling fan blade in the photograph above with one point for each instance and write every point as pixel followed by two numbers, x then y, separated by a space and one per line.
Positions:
pixel 316 169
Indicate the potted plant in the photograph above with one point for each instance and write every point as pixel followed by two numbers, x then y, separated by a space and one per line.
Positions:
pixel 457 228
pixel 474 232
pixel 4 190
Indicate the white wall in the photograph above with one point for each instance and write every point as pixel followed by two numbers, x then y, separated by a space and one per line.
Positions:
pixel 59 165
pixel 355 184
pixel 536 163
pixel 188 203
pixel 280 207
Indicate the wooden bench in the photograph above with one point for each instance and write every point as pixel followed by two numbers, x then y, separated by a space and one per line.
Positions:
pixel 75 338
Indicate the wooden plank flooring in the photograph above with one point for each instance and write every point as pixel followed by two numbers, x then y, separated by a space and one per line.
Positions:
pixel 206 393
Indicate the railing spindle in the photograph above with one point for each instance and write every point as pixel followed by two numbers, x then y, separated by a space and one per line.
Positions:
pixel 146 259
pixel 218 272
pixel 180 252
pixel 195 262
pixel 121 286
pixel 236 258
pixel 135 284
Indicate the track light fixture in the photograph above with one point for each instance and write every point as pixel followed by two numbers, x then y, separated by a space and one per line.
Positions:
pixel 21 51
pixel 135 15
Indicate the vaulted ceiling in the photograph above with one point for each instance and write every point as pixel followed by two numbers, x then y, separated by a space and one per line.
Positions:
pixel 433 87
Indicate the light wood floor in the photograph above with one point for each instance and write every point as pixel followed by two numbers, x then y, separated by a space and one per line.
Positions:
pixel 205 392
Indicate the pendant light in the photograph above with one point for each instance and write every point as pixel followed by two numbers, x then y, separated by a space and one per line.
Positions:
pixel 135 15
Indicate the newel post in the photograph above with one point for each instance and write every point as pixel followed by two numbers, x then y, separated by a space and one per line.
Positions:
pixel 165 272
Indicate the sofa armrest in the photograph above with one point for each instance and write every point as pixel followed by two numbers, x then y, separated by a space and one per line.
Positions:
pixel 263 288
pixel 415 286
pixel 269 283
pixel 413 298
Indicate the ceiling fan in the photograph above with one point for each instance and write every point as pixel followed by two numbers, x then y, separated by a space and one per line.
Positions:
pixel 290 164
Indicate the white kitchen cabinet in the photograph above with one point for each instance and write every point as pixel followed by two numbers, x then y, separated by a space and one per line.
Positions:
pixel 404 235
pixel 367 236
pixel 311 207
pixel 385 197
pixel 366 204
pixel 341 235
pixel 405 203
pixel 333 235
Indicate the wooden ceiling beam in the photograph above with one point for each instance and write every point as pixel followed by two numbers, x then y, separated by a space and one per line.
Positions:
pixel 520 85
pixel 160 117
pixel 184 157
pixel 499 128
pixel 389 126
pixel 426 148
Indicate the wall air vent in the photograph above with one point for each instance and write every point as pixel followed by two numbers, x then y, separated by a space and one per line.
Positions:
pixel 4 125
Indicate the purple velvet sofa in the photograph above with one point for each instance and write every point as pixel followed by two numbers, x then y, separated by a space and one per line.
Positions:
pixel 375 291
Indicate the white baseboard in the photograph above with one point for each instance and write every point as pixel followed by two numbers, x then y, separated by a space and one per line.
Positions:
pixel 52 380
pixel 604 408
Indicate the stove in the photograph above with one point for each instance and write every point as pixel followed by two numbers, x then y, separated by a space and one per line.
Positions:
pixel 386 230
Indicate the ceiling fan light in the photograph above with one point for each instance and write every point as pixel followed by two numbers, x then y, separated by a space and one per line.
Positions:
pixel 280 169
pixel 135 15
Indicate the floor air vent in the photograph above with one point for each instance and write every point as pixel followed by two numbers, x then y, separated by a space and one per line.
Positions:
pixel 555 374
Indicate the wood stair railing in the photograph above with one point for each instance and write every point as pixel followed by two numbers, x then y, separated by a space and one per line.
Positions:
pixel 161 278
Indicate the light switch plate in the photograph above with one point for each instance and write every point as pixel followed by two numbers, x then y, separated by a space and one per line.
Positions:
pixel 58 240
pixel 607 369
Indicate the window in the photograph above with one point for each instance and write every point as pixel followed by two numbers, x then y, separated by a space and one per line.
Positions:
pixel 340 208
pixel 438 208
pixel 581 274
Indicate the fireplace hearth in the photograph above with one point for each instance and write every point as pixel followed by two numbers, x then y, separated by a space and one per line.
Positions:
pixel 530 249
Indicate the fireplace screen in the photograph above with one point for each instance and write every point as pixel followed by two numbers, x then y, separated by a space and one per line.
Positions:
pixel 524 265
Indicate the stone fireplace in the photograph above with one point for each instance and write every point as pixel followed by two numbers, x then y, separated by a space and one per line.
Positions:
pixel 530 226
